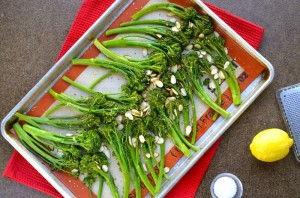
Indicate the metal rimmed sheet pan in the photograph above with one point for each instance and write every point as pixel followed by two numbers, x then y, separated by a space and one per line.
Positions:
pixel 255 73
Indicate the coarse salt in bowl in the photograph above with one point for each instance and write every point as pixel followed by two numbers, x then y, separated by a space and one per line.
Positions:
pixel 226 185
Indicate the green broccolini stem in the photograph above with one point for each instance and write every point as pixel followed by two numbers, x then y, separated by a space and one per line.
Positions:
pixel 100 189
pixel 219 98
pixel 35 121
pixel 130 73
pixel 150 30
pixel 97 81
pixel 78 85
pixel 110 182
pixel 177 9
pixel 182 147
pixel 154 22
pixel 231 80
pixel 52 109
pixel 149 162
pixel 187 86
pixel 138 167
pixel 237 92
pixel 111 55
pixel 186 117
pixel 35 146
pixel 161 168
pixel 115 66
pixel 121 59
pixel 28 119
pixel 121 42
pixel 194 118
pixel 207 100
pixel 89 90
pixel 38 133
pixel 119 153
pixel 124 166
pixel 71 102
pixel 154 158
pixel 136 180
pixel 181 136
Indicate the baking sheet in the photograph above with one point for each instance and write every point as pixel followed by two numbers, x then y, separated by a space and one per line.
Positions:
pixel 254 72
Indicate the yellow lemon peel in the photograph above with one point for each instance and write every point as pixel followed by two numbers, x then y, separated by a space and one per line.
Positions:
pixel 271 145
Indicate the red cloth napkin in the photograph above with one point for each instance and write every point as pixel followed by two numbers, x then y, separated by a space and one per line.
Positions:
pixel 19 170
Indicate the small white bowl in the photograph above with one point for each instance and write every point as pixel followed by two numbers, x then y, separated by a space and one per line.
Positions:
pixel 239 185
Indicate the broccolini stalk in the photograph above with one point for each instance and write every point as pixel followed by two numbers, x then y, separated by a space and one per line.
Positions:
pixel 100 79
pixel 34 121
pixel 150 166
pixel 187 90
pixel 142 29
pixel 160 32
pixel 175 8
pixel 207 68
pixel 171 49
pixel 115 140
pixel 153 22
pixel 230 77
pixel 124 42
pixel 201 23
pixel 190 63
pixel 219 99
pixel 172 109
pixel 98 164
pixel 147 144
pixel 95 104
pixel 125 98
pixel 90 179
pixel 64 163
pixel 161 167
pixel 53 109
pixel 100 187
pixel 157 98
pixel 134 154
pixel 178 90
pixel 133 145
pixel 134 76
pixel 173 134
pixel 157 127
pixel 89 140
pixel 159 67
pixel 214 45
pixel 136 180
pixel 70 123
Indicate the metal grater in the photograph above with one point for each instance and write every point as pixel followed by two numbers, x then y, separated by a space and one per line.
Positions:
pixel 289 102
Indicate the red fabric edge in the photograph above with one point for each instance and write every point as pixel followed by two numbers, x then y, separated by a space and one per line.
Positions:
pixel 241 26
pixel 37 181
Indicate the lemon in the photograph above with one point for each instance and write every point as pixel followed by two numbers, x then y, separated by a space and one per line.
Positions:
pixel 271 145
